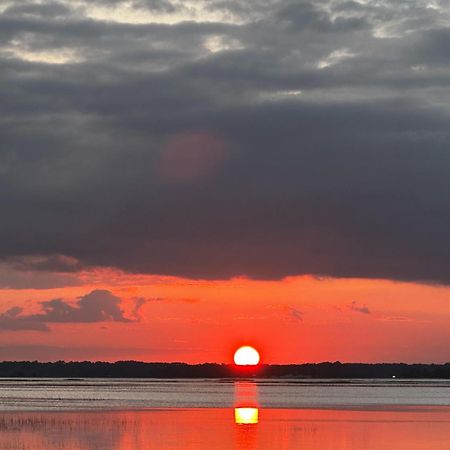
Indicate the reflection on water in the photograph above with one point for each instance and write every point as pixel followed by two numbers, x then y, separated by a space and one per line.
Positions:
pixel 246 416
pixel 246 394
pixel 245 426
pixel 412 429
pixel 246 411
pixel 246 420
pixel 119 394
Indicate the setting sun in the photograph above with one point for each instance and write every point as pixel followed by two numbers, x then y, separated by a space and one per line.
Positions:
pixel 246 356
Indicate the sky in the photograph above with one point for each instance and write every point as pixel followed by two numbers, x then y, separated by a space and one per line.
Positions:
pixel 178 178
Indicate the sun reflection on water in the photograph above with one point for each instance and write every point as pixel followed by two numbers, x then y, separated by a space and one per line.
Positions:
pixel 246 416
pixel 245 394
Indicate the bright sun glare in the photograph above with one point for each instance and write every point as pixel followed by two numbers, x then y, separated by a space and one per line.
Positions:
pixel 246 356
pixel 246 416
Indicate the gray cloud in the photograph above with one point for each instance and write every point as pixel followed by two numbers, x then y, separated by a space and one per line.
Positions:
pixel 33 273
pixel 29 9
pixel 11 320
pixel 363 309
pixel 138 304
pixel 45 263
pixel 287 138
pixel 295 314
pixel 97 306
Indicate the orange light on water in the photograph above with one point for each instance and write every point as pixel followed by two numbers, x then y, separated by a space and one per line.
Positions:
pixel 246 416
pixel 246 356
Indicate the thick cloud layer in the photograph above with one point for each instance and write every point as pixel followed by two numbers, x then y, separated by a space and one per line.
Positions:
pixel 214 139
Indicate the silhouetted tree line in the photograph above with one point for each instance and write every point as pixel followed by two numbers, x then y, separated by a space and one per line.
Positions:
pixel 135 369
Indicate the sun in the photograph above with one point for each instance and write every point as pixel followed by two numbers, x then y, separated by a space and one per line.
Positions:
pixel 246 356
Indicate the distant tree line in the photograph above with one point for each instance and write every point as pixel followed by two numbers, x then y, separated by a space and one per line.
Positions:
pixel 135 369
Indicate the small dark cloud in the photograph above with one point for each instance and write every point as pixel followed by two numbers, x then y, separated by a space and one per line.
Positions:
pixel 156 5
pixel 295 314
pixel 97 306
pixel 153 5
pixel 45 263
pixel 154 299
pixel 363 309
pixel 138 304
pixel 50 9
pixel 11 320
pixel 307 15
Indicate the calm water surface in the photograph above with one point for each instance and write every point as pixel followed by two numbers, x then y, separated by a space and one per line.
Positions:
pixel 215 414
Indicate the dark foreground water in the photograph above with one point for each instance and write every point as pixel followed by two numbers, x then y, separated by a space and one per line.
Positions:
pixel 205 414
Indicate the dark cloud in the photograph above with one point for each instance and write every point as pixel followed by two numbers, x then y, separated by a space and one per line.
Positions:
pixel 363 309
pixel 45 263
pixel 138 304
pixel 295 315
pixel 27 9
pixel 306 15
pixel 12 320
pixel 97 306
pixel 158 5
pixel 24 273
pixel 287 138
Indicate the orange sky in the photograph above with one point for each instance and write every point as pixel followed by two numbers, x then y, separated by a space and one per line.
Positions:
pixel 297 319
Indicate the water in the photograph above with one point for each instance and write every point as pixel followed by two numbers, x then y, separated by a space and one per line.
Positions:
pixel 222 414
pixel 54 394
